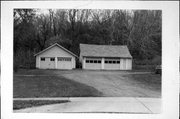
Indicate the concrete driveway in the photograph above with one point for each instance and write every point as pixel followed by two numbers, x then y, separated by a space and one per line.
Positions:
pixel 112 83
pixel 98 105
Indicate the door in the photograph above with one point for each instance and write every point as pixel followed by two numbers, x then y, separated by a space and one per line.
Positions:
pixel 112 64
pixel 47 63
pixel 64 63
pixel 93 63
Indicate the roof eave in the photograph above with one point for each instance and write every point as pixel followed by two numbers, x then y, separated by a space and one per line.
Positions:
pixel 58 46
pixel 106 56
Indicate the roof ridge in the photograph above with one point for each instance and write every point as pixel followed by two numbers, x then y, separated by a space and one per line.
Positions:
pixel 53 46
pixel 101 45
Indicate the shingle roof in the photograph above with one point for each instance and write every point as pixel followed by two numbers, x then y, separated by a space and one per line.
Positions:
pixel 105 51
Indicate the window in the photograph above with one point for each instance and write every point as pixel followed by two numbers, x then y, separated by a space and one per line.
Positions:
pixel 59 59
pixel 93 61
pixel 52 59
pixel 64 59
pixel 42 59
pixel 112 61
pixel 67 59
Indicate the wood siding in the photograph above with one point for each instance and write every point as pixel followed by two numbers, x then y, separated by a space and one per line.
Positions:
pixel 113 64
pixel 55 52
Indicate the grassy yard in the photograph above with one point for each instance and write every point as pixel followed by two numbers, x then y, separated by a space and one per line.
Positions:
pixel 20 104
pixel 50 86
pixel 85 83
pixel 150 81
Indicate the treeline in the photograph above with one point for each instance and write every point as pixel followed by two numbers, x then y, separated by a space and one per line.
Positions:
pixel 140 30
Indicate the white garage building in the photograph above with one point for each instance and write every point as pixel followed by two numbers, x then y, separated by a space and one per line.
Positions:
pixel 55 57
pixel 105 57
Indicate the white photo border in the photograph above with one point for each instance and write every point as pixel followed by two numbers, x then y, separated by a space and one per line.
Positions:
pixel 170 56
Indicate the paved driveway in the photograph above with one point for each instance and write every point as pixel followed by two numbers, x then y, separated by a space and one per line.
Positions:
pixel 99 105
pixel 112 83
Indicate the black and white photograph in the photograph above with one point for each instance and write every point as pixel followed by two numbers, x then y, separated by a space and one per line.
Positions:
pixel 87 60
pixel 83 60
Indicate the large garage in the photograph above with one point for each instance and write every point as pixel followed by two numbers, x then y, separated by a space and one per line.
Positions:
pixel 105 57
pixel 55 57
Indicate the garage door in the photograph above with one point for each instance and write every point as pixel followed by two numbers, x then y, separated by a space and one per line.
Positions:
pixel 64 63
pixel 92 63
pixel 112 64
pixel 47 63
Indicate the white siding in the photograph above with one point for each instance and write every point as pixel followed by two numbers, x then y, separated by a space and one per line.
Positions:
pixel 54 52
pixel 47 64
pixel 73 62
pixel 84 63
pixel 112 66
pixel 125 64
pixel 121 64
pixel 92 65
pixel 64 63
pixel 37 62
pixel 128 64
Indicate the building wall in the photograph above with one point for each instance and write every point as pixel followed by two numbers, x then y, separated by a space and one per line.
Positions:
pixel 128 64
pixel 54 52
pixel 124 64
pixel 92 63
pixel 37 61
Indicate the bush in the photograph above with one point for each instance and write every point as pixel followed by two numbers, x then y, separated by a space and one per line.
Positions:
pixel 78 64
pixel 15 68
pixel 155 61
pixel 144 67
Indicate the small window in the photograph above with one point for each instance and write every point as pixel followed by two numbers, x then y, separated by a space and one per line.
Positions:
pixel 59 59
pixel 68 59
pixel 52 59
pixel 118 62
pixel 64 59
pixel 106 61
pixel 95 61
pixel 42 59
pixel 91 61
pixel 99 61
pixel 87 61
pixel 110 62
pixel 114 62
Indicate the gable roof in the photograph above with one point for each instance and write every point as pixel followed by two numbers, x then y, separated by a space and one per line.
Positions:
pixel 56 44
pixel 105 51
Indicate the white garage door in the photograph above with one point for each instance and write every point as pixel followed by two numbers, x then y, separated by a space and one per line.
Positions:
pixel 47 63
pixel 112 64
pixel 64 63
pixel 93 63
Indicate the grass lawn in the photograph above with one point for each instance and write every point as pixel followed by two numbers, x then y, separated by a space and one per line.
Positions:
pixel 50 86
pixel 150 81
pixel 19 104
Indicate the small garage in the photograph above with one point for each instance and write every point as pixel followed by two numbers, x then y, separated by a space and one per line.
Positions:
pixel 105 57
pixel 55 57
